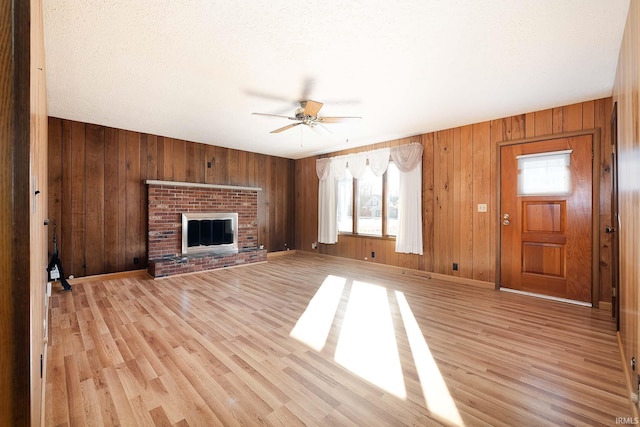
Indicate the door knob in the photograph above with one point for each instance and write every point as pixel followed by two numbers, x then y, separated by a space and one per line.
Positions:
pixel 506 222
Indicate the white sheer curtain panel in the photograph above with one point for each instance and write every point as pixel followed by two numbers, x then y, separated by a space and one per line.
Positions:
pixel 408 159
pixel 327 221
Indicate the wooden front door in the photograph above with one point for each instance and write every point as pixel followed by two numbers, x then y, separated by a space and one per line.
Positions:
pixel 546 239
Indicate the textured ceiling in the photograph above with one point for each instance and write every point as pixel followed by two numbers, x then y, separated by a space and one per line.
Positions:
pixel 197 69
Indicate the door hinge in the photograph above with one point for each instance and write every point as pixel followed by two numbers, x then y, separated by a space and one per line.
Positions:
pixel 613 149
pixel 613 292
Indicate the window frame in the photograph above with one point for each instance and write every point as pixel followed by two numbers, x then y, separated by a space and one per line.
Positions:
pixel 355 195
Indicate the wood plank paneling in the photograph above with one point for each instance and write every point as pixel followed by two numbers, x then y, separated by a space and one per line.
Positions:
pixel 627 96
pixel 482 261
pixel 133 183
pixel 428 201
pixel 179 160
pixel 78 201
pixel 55 178
pixel 443 180
pixel 95 201
pixel 460 172
pixel 98 175
pixel 111 195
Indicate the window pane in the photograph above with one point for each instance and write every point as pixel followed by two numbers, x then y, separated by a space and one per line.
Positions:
pixel 544 174
pixel 370 204
pixel 345 203
pixel 393 198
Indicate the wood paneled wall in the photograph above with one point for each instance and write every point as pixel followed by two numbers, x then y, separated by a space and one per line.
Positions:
pixel 459 172
pixel 98 197
pixel 38 191
pixel 627 96
pixel 23 259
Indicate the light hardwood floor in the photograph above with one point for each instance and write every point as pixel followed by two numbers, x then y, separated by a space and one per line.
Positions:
pixel 312 340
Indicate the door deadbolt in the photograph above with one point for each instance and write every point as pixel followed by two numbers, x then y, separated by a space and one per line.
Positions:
pixel 505 216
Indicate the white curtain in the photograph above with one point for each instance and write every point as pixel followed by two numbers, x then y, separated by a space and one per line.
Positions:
pixel 327 221
pixel 408 159
pixel 357 164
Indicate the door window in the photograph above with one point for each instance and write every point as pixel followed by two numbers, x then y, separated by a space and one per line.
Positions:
pixel 543 174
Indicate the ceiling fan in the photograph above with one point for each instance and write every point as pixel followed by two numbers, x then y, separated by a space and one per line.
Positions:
pixel 307 114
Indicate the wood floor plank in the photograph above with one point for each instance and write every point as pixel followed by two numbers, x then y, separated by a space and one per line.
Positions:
pixel 216 348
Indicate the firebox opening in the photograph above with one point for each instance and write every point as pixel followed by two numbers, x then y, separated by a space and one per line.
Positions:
pixel 209 232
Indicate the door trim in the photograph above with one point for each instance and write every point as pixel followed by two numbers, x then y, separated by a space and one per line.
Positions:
pixel 615 215
pixel 595 203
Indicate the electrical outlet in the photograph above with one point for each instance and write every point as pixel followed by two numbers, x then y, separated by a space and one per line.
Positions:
pixel 482 207
pixel 314 245
pixel 136 260
pixel 455 266
pixel 373 254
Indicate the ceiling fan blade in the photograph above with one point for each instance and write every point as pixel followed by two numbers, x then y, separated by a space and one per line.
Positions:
pixel 274 115
pixel 311 108
pixel 285 127
pixel 335 119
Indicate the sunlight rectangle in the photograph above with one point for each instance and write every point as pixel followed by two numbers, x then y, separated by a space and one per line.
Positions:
pixel 312 328
pixel 367 344
pixel 435 390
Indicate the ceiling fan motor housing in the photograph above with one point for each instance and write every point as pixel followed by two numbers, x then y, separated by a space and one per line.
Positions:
pixel 301 116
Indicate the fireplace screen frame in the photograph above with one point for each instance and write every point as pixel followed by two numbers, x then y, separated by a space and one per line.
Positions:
pixel 220 248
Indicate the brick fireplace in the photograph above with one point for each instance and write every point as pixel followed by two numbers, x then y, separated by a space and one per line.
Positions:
pixel 169 200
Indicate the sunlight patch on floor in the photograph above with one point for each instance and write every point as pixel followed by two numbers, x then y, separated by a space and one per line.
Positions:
pixel 435 390
pixel 367 344
pixel 312 328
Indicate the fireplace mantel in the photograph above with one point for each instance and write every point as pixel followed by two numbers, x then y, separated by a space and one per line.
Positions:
pixel 201 185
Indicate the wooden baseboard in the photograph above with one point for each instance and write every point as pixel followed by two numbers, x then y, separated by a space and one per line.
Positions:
pixel 137 274
pixel 280 253
pixel 416 273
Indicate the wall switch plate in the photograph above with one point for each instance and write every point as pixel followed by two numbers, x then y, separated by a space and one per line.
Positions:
pixel 482 207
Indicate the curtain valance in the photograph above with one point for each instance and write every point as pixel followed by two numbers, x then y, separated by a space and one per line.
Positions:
pixel 406 157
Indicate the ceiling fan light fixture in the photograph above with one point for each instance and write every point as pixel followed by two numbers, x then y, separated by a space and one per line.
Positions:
pixel 307 114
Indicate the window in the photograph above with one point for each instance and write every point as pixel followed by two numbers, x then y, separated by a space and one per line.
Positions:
pixel 369 204
pixel 544 173
pixel 376 200
pixel 345 203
